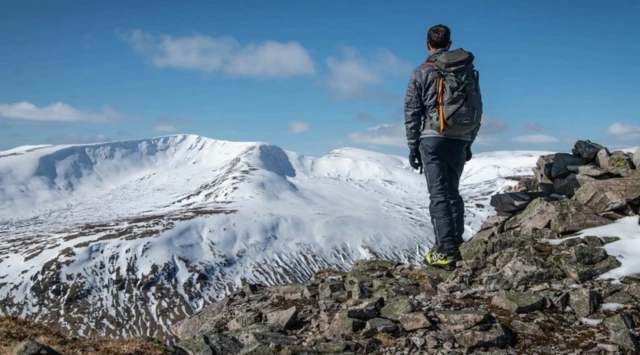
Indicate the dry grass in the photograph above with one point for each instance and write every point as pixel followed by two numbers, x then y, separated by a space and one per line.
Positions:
pixel 14 330
pixel 386 340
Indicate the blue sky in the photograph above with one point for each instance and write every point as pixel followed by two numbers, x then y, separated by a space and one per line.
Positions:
pixel 311 76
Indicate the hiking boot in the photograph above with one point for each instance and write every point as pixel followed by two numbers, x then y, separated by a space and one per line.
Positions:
pixel 442 260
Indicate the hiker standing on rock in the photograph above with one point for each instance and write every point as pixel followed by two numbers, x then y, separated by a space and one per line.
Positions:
pixel 442 111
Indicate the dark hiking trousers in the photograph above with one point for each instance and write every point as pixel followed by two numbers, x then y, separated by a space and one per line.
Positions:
pixel 443 161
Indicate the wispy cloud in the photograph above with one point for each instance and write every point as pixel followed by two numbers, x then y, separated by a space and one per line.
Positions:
pixel 395 134
pixel 489 129
pixel 535 139
pixel 58 112
pixel 165 128
pixel 166 124
pixel 363 117
pixel 78 139
pixel 384 134
pixel 533 127
pixel 354 76
pixel 298 126
pixel 623 132
pixel 208 54
pixel 124 133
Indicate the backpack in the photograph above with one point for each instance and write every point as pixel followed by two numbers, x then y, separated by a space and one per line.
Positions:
pixel 459 101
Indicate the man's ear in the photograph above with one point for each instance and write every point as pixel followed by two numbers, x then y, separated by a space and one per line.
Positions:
pixel 449 45
pixel 428 45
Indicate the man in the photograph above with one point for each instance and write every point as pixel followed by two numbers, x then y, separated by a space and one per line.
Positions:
pixel 442 109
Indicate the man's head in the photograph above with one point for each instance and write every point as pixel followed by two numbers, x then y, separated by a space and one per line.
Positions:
pixel 438 37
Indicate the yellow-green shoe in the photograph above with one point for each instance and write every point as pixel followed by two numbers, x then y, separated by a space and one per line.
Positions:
pixel 447 262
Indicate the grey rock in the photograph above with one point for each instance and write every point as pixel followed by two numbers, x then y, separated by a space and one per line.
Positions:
pixel 561 162
pixel 588 255
pixel 484 336
pixel 212 344
pixel 462 320
pixel 30 347
pixel 589 170
pixel 380 325
pixel 283 319
pixel 571 216
pixel 567 186
pixel 522 270
pixel 343 325
pixel 328 290
pixel 621 164
pixel 586 149
pixel 636 158
pixel 602 158
pixel 512 202
pixel 394 309
pixel 584 301
pixel 621 297
pixel 544 166
pixel 414 321
pixel 367 309
pixel 527 328
pixel 493 221
pixel 244 320
pixel 626 340
pixel 518 302
pixel 583 273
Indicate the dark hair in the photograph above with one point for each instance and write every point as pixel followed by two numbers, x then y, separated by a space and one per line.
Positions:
pixel 439 36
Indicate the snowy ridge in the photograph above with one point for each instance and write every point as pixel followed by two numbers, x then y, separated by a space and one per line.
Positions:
pixel 126 238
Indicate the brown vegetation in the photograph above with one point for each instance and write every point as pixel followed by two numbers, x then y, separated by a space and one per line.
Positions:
pixel 14 330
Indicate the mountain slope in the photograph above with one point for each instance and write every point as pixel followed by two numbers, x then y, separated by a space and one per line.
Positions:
pixel 127 238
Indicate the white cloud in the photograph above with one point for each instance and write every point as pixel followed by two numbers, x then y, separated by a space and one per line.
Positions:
pixel 535 139
pixel 299 127
pixel 621 132
pixel 58 111
pixel 385 134
pixel 164 128
pixel 395 134
pixel 354 77
pixel 209 54
pixel 78 139
pixel 533 127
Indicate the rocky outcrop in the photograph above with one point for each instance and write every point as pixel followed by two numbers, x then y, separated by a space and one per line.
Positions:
pixel 514 292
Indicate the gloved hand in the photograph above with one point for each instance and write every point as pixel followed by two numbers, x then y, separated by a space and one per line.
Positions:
pixel 468 151
pixel 415 160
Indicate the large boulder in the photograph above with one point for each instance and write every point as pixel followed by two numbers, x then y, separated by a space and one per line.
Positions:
pixel 621 164
pixel 571 216
pixel 567 186
pixel 584 301
pixel 512 202
pixel 544 183
pixel 561 163
pixel 456 321
pixel 608 195
pixel 518 302
pixel 590 170
pixel 636 158
pixel 586 149
pixel 30 347
pixel 561 216
pixel 602 158
pixel 544 165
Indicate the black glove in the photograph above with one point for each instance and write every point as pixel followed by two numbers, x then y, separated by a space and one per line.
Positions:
pixel 415 160
pixel 468 151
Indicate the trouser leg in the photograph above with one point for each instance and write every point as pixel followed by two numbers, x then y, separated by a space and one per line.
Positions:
pixel 443 160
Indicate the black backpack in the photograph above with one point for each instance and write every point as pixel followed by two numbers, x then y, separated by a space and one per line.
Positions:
pixel 459 99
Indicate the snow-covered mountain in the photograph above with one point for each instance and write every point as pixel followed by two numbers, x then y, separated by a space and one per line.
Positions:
pixel 127 238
